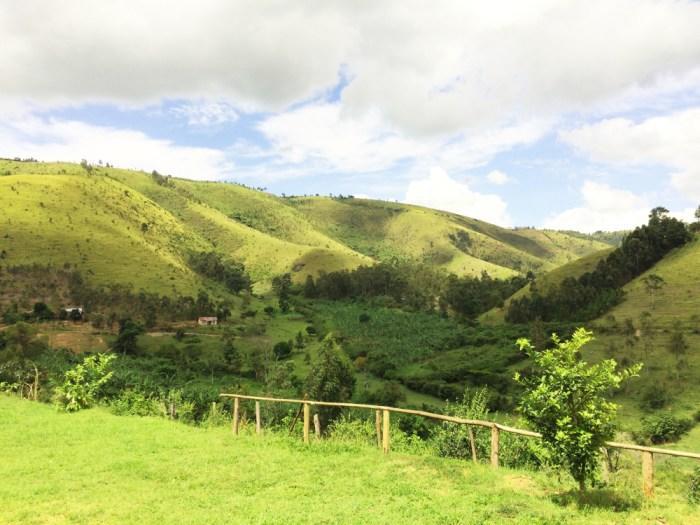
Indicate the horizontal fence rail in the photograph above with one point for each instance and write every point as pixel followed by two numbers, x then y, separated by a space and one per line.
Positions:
pixel 382 420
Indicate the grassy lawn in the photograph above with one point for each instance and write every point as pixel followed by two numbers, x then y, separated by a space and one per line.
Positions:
pixel 93 467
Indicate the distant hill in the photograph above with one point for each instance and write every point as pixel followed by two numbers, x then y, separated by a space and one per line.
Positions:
pixel 549 280
pixel 677 300
pixel 135 228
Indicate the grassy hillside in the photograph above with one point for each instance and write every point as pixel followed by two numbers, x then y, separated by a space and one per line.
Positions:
pixel 459 244
pixel 549 280
pixel 130 227
pixel 678 299
pixel 100 468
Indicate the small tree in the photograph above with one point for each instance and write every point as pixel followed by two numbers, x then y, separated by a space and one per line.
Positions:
pixel 331 377
pixel 653 283
pixel 126 342
pixel 566 400
pixel 82 384
pixel 678 346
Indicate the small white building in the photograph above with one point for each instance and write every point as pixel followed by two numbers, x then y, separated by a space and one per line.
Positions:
pixel 208 321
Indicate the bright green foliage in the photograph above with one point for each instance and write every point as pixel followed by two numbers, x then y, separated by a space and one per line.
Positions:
pixel 82 383
pixel 454 440
pixel 331 377
pixel 566 400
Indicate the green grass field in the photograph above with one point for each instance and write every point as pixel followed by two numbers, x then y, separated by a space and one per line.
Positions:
pixel 94 467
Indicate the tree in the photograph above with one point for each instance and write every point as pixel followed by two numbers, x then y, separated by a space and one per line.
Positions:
pixel 566 401
pixel 232 356
pixel 653 283
pixel 282 350
pixel 126 341
pixel 19 349
pixel 310 287
pixel 42 312
pixel 282 286
pixel 83 383
pixel 678 346
pixel 331 377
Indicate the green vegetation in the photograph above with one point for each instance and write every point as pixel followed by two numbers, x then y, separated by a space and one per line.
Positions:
pixel 594 293
pixel 566 401
pixel 276 479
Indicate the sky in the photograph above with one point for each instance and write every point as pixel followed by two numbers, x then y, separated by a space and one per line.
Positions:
pixel 561 114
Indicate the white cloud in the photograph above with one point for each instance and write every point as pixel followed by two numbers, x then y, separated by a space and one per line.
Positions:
pixel 205 114
pixel 604 208
pixel 426 70
pixel 325 138
pixel 52 139
pixel 441 192
pixel 671 140
pixel 497 177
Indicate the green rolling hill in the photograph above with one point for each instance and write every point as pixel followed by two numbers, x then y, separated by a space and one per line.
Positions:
pixel 129 227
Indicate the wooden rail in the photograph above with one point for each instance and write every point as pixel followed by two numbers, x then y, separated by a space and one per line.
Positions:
pixel 383 423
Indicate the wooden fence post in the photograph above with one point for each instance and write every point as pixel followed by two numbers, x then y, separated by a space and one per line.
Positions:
pixel 317 426
pixel 307 422
pixel 472 443
pixel 494 446
pixel 648 474
pixel 258 428
pixel 378 426
pixel 234 422
pixel 385 433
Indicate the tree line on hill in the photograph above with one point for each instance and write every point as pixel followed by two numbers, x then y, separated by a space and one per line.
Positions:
pixel 593 293
pixel 414 286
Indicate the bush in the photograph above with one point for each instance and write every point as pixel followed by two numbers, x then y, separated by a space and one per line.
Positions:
pixel 694 487
pixel 135 403
pixel 655 397
pixel 282 350
pixel 453 440
pixel 662 429
pixel 83 383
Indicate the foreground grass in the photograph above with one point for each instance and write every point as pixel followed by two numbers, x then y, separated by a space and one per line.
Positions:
pixel 93 467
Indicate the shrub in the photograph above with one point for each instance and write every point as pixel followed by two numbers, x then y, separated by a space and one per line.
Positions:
pixel 453 440
pixel 282 350
pixel 662 429
pixel 694 487
pixel 655 397
pixel 135 403
pixel 82 383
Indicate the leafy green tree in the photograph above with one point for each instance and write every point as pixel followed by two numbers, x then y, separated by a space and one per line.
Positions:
pixel 42 312
pixel 566 400
pixel 83 383
pixel 282 286
pixel 310 288
pixel 331 377
pixel 20 349
pixel 126 341
pixel 653 283
pixel 282 350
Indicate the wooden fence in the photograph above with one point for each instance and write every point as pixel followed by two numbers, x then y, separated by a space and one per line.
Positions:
pixel 382 422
